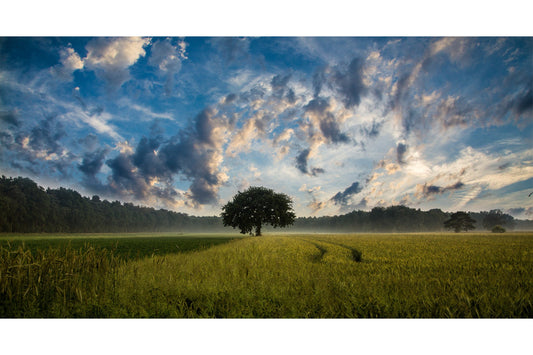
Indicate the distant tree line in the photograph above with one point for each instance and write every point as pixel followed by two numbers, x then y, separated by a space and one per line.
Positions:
pixel 379 219
pixel 26 207
pixel 404 219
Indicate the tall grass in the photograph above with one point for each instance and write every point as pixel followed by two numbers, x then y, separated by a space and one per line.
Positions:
pixel 277 276
pixel 56 282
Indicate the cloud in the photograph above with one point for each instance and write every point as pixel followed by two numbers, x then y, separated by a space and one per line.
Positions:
pixel 319 79
pixel 70 62
pixel 197 153
pixel 524 103
pixel 92 163
pixel 373 130
pixel 94 116
pixel 148 170
pixel 453 111
pixel 9 117
pixel 124 179
pixel 350 83
pixel 427 190
pixel 320 112
pixel 401 149
pixel 45 137
pixel 342 198
pixel 38 149
pixel 146 158
pixel 301 160
pixel 301 163
pixel 167 58
pixel 314 204
pixel 230 98
pixel 110 58
pixel 243 139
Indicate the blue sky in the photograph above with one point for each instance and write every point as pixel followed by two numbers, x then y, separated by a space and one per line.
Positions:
pixel 338 123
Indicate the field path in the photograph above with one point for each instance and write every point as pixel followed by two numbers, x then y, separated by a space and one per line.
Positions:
pixel 333 252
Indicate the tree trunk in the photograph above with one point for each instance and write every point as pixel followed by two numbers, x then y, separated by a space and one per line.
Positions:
pixel 258 230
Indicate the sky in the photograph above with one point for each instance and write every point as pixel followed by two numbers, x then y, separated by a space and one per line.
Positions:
pixel 337 123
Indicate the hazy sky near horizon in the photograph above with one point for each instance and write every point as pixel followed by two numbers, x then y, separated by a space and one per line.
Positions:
pixel 336 123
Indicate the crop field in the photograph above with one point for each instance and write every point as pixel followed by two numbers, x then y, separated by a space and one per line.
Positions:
pixel 471 275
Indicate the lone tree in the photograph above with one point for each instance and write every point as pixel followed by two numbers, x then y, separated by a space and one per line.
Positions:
pixel 460 221
pixel 257 206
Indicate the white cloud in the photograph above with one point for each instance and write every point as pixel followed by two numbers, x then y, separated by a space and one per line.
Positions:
pixel 147 113
pixel 166 56
pixel 110 58
pixel 70 62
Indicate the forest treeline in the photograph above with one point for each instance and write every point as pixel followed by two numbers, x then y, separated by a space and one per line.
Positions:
pixel 26 207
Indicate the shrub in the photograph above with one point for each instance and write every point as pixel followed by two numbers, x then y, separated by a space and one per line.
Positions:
pixel 498 229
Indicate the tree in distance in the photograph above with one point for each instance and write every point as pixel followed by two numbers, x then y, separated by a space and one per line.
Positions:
pixel 257 206
pixel 497 218
pixel 498 229
pixel 460 221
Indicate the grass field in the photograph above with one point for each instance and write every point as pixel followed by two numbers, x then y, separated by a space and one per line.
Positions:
pixel 275 276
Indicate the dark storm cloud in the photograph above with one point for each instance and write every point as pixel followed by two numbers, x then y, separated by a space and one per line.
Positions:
pixel 279 82
pixel 346 81
pixel 205 125
pixel 319 79
pixel 316 171
pixel 93 162
pixel 330 129
pixel 362 204
pixel 37 149
pixel 9 117
pixel 124 181
pixel 191 154
pixel 194 153
pixel 373 130
pixel 46 136
pixel 290 96
pixel 89 142
pixel 122 167
pixel 230 98
pixel 524 103
pixel 342 198
pixel 301 164
pixel 146 158
pixel 301 160
pixel 350 84
pixel 318 105
pixel 401 149
pixel 279 86
pixel 320 108
pixel 429 190
pixel 255 93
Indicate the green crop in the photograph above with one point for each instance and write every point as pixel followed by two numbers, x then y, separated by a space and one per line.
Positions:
pixel 279 276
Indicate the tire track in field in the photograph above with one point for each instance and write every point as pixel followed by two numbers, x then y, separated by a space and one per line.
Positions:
pixel 357 256
pixel 354 253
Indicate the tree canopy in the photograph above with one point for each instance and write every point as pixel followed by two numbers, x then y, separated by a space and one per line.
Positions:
pixel 460 221
pixel 255 207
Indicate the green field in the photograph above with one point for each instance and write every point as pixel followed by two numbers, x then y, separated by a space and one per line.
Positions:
pixel 468 275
